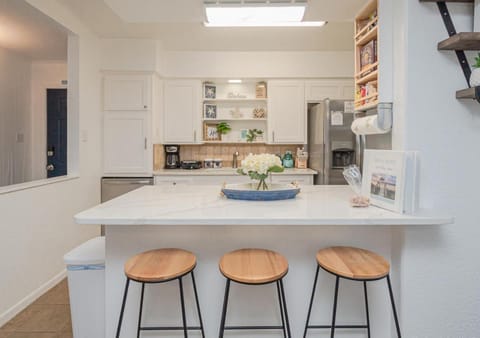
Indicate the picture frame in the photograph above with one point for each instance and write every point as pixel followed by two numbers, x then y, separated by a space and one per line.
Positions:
pixel 243 135
pixel 210 132
pixel 389 179
pixel 209 91
pixel 210 111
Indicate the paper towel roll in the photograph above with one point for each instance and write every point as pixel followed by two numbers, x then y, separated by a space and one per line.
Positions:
pixel 368 126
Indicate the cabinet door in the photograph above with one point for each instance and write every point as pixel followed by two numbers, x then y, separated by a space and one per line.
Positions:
pixel 182 111
pixel 126 92
pixel 321 90
pixel 286 112
pixel 287 179
pixel 127 149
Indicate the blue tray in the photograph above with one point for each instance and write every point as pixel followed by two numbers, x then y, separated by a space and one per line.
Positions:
pixel 247 192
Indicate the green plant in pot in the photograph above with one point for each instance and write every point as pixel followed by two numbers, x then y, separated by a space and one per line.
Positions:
pixel 475 77
pixel 223 128
pixel 252 134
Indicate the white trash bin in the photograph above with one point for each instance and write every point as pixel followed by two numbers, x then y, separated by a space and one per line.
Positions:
pixel 86 283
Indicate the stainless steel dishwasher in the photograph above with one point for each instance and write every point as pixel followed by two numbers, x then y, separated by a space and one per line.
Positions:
pixel 115 186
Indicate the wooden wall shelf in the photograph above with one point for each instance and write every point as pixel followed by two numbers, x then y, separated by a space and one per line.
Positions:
pixel 469 93
pixel 461 41
pixel 469 1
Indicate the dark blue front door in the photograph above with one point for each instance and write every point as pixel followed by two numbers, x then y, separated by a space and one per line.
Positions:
pixel 56 132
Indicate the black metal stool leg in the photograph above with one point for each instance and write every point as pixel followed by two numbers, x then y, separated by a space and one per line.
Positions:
pixel 184 318
pixel 224 310
pixel 141 310
pixel 311 302
pixel 332 332
pixel 125 293
pixel 198 304
pixel 397 325
pixel 366 307
pixel 285 308
pixel 280 301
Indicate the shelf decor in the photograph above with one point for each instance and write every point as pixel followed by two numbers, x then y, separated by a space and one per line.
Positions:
pixel 475 77
pixel 259 166
pixel 211 133
pixel 209 91
pixel 210 111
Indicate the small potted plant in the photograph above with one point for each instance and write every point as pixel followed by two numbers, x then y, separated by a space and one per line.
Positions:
pixel 252 134
pixel 475 77
pixel 223 128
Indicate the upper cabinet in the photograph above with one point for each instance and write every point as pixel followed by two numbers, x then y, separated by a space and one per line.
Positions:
pixel 127 92
pixel 286 112
pixel 182 111
pixel 318 90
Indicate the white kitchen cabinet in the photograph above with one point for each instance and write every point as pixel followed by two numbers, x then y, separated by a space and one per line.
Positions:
pixel 127 148
pixel 182 112
pixel 286 112
pixel 318 90
pixel 127 92
pixel 287 179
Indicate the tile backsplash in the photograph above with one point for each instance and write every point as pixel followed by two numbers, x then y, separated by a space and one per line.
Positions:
pixel 220 151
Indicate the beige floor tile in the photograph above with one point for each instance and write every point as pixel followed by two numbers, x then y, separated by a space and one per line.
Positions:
pixel 44 318
pixel 34 335
pixel 4 334
pixel 57 295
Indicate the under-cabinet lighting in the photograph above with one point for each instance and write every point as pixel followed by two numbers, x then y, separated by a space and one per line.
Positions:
pixel 235 81
pixel 258 16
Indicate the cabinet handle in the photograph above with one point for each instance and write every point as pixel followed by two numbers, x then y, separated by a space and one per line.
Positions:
pixel 273 136
pixel 145 107
pixel 145 145
pixel 194 136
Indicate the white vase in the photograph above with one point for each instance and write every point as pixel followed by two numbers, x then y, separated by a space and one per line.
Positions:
pixel 475 77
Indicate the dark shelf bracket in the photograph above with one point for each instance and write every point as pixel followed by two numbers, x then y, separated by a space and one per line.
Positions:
pixel 462 59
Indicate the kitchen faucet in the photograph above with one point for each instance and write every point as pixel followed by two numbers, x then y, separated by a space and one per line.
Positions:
pixel 235 160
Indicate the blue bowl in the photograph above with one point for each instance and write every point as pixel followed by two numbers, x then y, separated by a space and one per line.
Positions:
pixel 247 192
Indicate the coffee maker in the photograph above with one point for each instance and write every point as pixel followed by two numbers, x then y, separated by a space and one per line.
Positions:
pixel 172 156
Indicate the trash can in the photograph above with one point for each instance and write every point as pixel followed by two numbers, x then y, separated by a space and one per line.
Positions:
pixel 86 283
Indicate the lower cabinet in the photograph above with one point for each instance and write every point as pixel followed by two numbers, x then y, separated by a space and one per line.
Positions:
pixel 220 179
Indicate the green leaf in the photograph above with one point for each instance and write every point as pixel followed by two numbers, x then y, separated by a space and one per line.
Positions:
pixel 276 169
pixel 240 171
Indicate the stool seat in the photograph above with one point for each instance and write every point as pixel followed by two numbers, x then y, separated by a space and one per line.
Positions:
pixel 353 263
pixel 253 266
pixel 160 265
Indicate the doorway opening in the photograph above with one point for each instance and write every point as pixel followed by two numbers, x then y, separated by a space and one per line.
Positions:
pixel 56 132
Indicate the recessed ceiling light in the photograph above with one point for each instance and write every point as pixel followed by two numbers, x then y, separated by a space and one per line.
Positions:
pixel 258 16
pixel 235 81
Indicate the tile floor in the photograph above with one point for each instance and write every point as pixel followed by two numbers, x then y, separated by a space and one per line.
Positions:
pixel 47 317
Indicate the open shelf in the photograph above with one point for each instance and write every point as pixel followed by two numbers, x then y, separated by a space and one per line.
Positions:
pixel 368 78
pixel 461 41
pixel 365 29
pixel 235 100
pixel 233 119
pixel 367 106
pixel 469 93
pixel 372 34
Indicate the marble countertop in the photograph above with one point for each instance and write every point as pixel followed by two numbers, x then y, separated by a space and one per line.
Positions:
pixel 224 172
pixel 203 205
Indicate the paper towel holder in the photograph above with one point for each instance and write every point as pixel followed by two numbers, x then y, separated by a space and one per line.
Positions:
pixel 385 115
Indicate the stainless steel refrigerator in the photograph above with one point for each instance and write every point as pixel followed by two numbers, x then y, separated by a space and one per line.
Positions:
pixel 332 145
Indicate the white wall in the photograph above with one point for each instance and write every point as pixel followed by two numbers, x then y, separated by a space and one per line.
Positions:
pixel 440 292
pixel 217 64
pixel 15 156
pixel 45 75
pixel 36 224
pixel 130 54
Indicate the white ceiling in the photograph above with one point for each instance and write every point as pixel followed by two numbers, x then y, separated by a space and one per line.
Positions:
pixel 27 31
pixel 178 24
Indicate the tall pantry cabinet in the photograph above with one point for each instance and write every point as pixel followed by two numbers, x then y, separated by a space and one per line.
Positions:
pixel 129 110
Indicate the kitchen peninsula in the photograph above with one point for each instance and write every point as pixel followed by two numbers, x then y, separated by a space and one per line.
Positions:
pixel 199 219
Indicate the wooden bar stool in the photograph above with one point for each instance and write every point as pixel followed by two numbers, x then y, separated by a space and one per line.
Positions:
pixel 161 266
pixel 255 267
pixel 354 264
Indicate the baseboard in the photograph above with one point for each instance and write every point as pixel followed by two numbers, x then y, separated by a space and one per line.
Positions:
pixel 21 305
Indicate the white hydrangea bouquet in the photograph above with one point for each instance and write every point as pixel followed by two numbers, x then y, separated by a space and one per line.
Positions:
pixel 259 166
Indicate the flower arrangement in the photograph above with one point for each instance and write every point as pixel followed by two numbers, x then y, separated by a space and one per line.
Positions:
pixel 259 166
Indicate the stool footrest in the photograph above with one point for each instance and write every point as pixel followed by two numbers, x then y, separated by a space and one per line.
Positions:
pixel 168 328
pixel 253 327
pixel 338 326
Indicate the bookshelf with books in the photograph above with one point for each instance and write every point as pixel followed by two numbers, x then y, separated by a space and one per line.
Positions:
pixel 366 57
